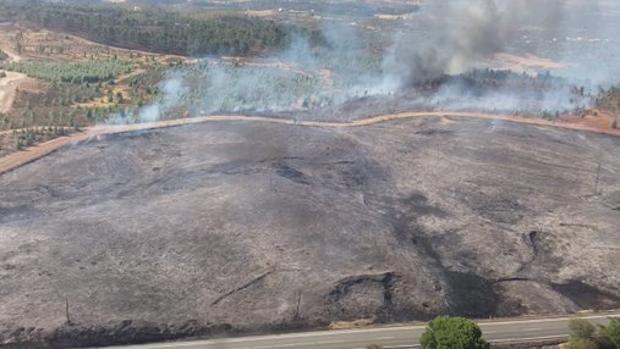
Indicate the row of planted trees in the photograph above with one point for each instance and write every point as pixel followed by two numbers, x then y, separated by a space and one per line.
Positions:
pixel 27 137
pixel 76 73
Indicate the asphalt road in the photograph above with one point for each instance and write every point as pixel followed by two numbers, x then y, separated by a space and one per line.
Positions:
pixel 397 337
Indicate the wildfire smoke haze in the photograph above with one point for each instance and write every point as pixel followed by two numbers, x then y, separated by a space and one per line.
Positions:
pixel 442 57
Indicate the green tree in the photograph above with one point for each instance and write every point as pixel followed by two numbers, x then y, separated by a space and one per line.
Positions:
pixel 453 333
pixel 602 338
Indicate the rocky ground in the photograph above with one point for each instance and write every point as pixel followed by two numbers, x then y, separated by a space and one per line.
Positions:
pixel 215 228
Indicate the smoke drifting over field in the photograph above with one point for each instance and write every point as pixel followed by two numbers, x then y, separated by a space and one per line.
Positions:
pixel 427 62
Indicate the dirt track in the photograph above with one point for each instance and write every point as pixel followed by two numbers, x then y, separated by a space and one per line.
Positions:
pixel 8 86
pixel 18 159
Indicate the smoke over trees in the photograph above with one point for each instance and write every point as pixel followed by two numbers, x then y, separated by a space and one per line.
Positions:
pixel 438 58
pixel 462 33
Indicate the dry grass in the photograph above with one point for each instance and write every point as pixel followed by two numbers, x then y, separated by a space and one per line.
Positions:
pixel 347 325
pixel 45 45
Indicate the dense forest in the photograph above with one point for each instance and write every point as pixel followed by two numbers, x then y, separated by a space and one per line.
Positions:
pixel 156 29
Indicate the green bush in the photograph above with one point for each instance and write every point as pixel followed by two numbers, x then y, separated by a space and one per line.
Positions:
pixel 580 328
pixel 450 333
pixel 613 332
pixel 602 338
pixel 584 335
pixel 582 343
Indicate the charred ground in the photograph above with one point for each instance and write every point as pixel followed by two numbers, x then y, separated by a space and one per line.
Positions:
pixel 248 227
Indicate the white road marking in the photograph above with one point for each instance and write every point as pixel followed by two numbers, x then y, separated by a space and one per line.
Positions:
pixel 526 339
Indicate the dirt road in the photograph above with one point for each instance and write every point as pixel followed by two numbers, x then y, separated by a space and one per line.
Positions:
pixel 13 57
pixel 8 88
pixel 21 158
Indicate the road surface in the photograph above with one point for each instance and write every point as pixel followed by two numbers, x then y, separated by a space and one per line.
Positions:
pixel 398 337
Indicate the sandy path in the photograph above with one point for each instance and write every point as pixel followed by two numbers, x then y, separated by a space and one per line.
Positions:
pixel 130 75
pixel 15 160
pixel 13 57
pixel 8 89
pixel 8 85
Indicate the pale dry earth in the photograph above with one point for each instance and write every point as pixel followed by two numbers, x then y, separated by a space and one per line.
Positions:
pixel 240 225
pixel 8 89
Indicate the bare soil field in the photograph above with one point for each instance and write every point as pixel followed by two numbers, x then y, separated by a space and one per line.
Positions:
pixel 51 46
pixel 253 226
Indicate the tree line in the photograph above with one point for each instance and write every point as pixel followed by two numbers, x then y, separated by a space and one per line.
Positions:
pixel 156 29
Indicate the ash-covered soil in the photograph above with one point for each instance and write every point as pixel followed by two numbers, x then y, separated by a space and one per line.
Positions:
pixel 213 228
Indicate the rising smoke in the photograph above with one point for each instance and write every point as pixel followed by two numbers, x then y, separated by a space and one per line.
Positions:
pixel 462 34
pixel 445 38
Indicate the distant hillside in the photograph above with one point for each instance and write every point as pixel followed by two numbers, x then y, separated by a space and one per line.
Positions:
pixel 154 29
pixel 334 7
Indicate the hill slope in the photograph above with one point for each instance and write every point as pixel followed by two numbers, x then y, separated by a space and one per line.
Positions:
pixel 243 226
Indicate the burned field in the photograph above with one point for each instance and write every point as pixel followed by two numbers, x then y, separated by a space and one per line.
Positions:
pixel 229 227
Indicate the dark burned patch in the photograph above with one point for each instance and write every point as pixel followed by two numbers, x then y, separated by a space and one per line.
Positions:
pixel 233 168
pixel 8 214
pixel 195 178
pixel 120 333
pixel 115 137
pixel 586 296
pixel 403 215
pixel 434 132
pixel 472 295
pixel 342 288
pixel 533 239
pixel 543 257
pixel 351 288
pixel 417 203
pixel 291 173
pixel 497 208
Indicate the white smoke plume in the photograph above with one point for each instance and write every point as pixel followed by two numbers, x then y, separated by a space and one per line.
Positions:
pixel 446 38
